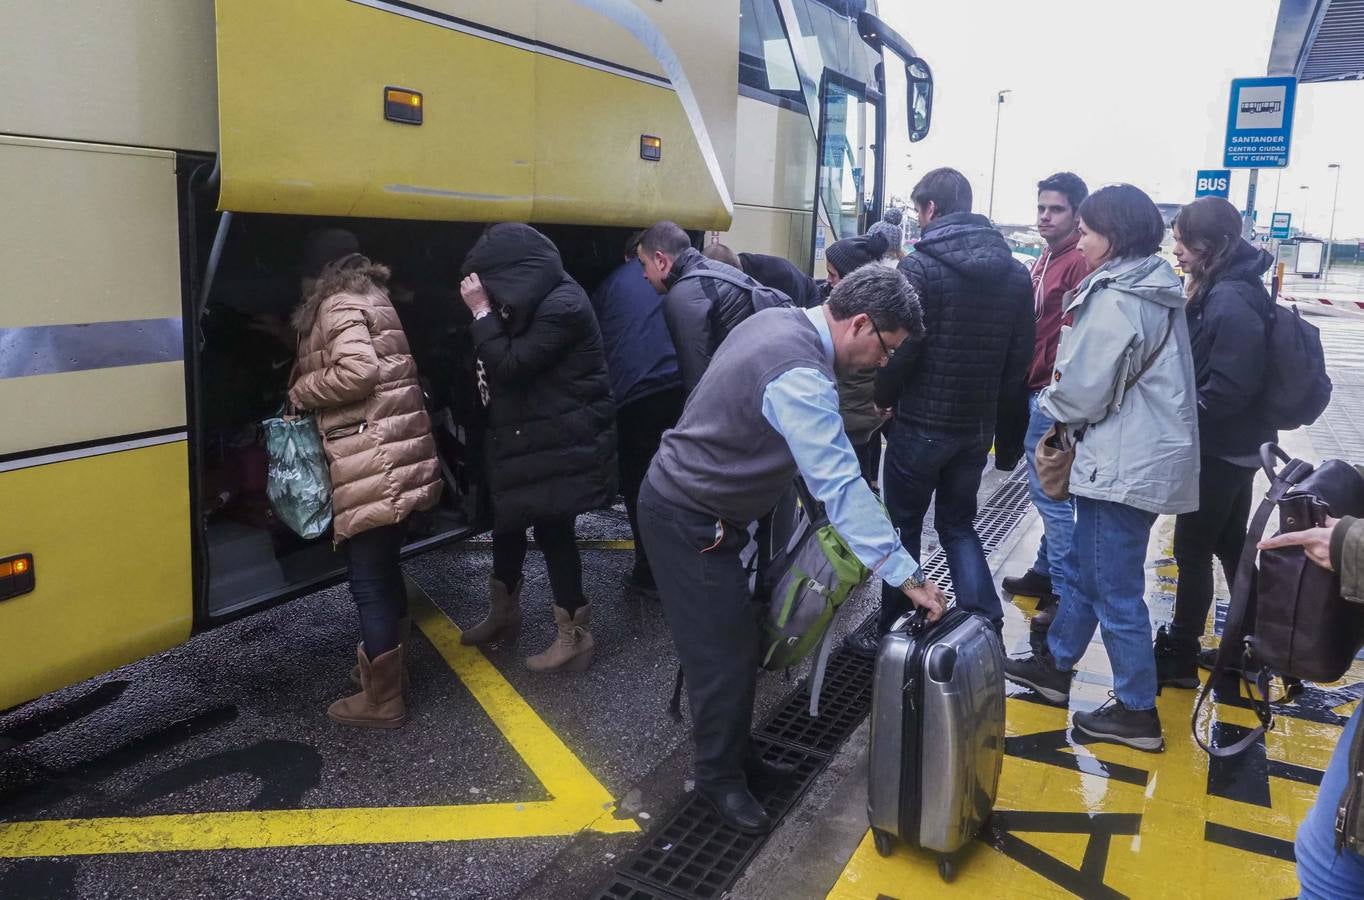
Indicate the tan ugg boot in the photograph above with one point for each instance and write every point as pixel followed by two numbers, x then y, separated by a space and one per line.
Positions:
pixel 404 632
pixel 380 701
pixel 573 647
pixel 504 617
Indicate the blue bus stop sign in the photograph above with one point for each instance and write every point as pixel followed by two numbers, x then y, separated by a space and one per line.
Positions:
pixel 1279 225
pixel 1212 183
pixel 1259 123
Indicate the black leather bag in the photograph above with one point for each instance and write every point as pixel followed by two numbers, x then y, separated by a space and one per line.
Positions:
pixel 1296 623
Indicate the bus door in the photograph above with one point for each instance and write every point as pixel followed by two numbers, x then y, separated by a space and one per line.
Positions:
pixel 846 196
pixel 94 470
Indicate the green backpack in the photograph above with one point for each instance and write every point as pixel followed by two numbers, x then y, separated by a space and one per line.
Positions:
pixel 807 582
pixel 803 585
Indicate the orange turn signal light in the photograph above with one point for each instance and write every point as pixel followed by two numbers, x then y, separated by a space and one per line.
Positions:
pixel 402 105
pixel 16 575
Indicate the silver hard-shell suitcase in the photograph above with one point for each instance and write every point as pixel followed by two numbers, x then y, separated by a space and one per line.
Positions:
pixel 937 733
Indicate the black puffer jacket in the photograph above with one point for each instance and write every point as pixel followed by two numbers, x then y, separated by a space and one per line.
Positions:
pixel 700 312
pixel 551 442
pixel 1228 338
pixel 978 315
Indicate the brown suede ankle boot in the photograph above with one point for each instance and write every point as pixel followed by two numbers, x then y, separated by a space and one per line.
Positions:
pixel 504 617
pixel 404 633
pixel 573 646
pixel 380 701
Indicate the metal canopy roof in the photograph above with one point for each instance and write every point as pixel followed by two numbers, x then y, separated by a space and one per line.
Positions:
pixel 1319 40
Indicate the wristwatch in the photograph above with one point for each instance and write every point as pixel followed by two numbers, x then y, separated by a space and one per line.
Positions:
pixel 917 579
pixel 481 313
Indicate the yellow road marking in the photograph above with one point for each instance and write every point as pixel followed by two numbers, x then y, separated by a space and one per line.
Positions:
pixel 579 803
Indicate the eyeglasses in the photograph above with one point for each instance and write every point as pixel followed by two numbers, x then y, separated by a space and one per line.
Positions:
pixel 888 351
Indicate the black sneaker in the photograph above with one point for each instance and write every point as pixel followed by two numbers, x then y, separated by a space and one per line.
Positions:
pixel 1176 661
pixel 1040 675
pixel 1031 583
pixel 1117 724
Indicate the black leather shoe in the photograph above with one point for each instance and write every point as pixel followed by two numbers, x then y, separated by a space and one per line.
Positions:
pixel 763 775
pixel 739 810
pixel 864 643
pixel 1031 583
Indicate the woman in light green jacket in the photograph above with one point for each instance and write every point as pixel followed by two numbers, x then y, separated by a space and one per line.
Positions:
pixel 1125 388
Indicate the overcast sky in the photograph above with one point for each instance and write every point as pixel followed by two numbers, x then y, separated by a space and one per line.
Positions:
pixel 1116 91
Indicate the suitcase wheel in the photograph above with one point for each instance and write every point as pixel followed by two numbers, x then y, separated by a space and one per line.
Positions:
pixel 947 868
pixel 884 843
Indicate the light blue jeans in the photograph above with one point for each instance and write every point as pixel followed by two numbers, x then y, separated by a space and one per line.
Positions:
pixel 1106 572
pixel 1322 872
pixel 1058 516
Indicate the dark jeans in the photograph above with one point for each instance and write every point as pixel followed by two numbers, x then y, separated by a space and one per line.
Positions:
pixel 1218 529
pixel 376 583
pixel 557 541
pixel 639 429
pixel 918 465
pixel 703 588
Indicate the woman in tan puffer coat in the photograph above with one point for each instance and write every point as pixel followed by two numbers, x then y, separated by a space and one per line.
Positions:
pixel 356 373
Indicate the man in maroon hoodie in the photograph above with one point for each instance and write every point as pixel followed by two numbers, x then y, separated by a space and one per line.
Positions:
pixel 1056 274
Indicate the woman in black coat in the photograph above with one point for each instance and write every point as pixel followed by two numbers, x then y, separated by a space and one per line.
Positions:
pixel 1228 311
pixel 551 442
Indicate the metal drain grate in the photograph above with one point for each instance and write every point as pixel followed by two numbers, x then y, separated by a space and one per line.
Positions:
pixel 844 700
pixel 1012 494
pixel 937 571
pixel 622 888
pixel 994 525
pixel 693 854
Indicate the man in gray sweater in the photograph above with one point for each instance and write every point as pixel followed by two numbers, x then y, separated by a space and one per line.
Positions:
pixel 765 411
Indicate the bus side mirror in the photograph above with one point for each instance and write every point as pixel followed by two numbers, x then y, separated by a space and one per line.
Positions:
pixel 920 80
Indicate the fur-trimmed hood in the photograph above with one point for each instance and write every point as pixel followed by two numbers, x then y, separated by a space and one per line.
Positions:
pixel 358 275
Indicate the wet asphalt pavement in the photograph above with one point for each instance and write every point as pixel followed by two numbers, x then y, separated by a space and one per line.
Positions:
pixel 235 720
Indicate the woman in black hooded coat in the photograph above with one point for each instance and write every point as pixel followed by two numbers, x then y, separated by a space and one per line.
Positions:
pixel 551 442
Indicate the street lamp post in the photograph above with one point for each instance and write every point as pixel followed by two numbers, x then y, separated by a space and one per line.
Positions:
pixel 999 106
pixel 1331 238
pixel 1302 229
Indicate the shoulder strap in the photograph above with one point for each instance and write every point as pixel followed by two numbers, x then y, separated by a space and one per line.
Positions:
pixel 821 664
pixel 720 275
pixel 1169 327
pixel 813 508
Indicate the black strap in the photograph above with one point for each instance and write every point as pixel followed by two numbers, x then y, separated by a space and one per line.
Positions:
pixel 1233 640
pixel 675 705
pixel 1232 637
pixel 813 508
pixel 1169 327
pixel 741 281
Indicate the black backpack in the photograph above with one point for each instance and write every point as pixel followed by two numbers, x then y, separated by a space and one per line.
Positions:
pixel 1297 387
pixel 725 318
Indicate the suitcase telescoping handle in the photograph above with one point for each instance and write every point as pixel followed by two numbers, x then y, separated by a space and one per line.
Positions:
pixel 912 622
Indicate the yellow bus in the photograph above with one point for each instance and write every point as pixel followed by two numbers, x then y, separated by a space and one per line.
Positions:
pixel 160 163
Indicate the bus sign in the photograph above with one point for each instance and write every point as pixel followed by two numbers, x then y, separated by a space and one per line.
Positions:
pixel 1279 225
pixel 1212 183
pixel 1259 123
